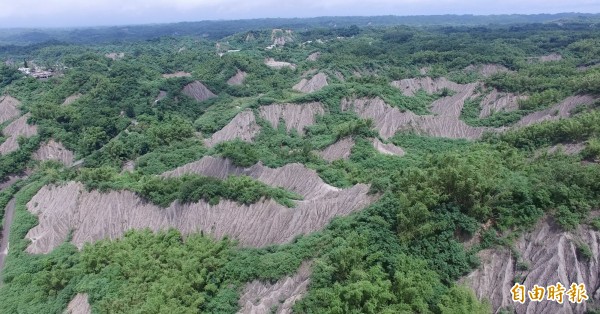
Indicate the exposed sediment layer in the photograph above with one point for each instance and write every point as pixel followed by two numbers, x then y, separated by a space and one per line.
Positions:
pixel 89 216
pixel 264 298
pixel 295 116
pixel 243 126
pixel 551 256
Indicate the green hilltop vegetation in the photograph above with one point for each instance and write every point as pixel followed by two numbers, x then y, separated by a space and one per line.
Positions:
pixel 405 253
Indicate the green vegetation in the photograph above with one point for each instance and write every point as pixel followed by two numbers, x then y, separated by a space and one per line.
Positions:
pixel 403 253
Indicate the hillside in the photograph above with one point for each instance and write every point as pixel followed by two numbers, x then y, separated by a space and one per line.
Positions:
pixel 269 168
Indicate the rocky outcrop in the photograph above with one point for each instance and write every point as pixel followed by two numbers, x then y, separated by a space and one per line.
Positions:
pixel 243 126
pixel 295 116
pixel 387 149
pixel 9 108
pixel 176 74
pixel 549 255
pixel 198 91
pixel 560 110
pixel 338 150
pixel 13 131
pixel 88 216
pixel 79 305
pixel 316 83
pixel 270 62
pixel 237 79
pixel 263 298
pixel 53 150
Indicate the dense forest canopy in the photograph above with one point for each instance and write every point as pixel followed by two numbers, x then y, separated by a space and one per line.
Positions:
pixel 143 104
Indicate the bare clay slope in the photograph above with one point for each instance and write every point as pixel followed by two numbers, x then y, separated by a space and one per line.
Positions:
pixel 552 257
pixel 338 150
pixel 53 150
pixel 389 120
pixel 79 305
pixel 71 99
pixel 316 83
pixel 198 91
pixel 237 79
pixel 295 116
pixel 261 298
pixel 561 110
pixel 242 126
pixel 9 108
pixel 15 129
pixel 387 149
pixel 93 215
pixel 497 101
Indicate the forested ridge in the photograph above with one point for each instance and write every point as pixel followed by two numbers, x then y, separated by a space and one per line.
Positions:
pixel 528 92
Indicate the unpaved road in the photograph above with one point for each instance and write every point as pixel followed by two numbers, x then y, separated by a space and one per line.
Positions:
pixel 9 213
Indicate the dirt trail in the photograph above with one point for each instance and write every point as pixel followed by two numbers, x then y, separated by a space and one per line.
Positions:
pixel 9 213
pixel 79 305
pixel 91 216
pixel 262 298
pixel 551 256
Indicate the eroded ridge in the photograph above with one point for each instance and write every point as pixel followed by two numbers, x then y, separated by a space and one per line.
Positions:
pixel 91 215
pixel 13 131
pixel 262 298
pixel 338 150
pixel 551 256
pixel 53 150
pixel 295 116
pixel 316 83
pixel 198 91
pixel 9 108
pixel 243 126
pixel 558 111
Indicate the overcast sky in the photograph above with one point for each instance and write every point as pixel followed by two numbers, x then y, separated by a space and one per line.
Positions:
pixel 56 13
